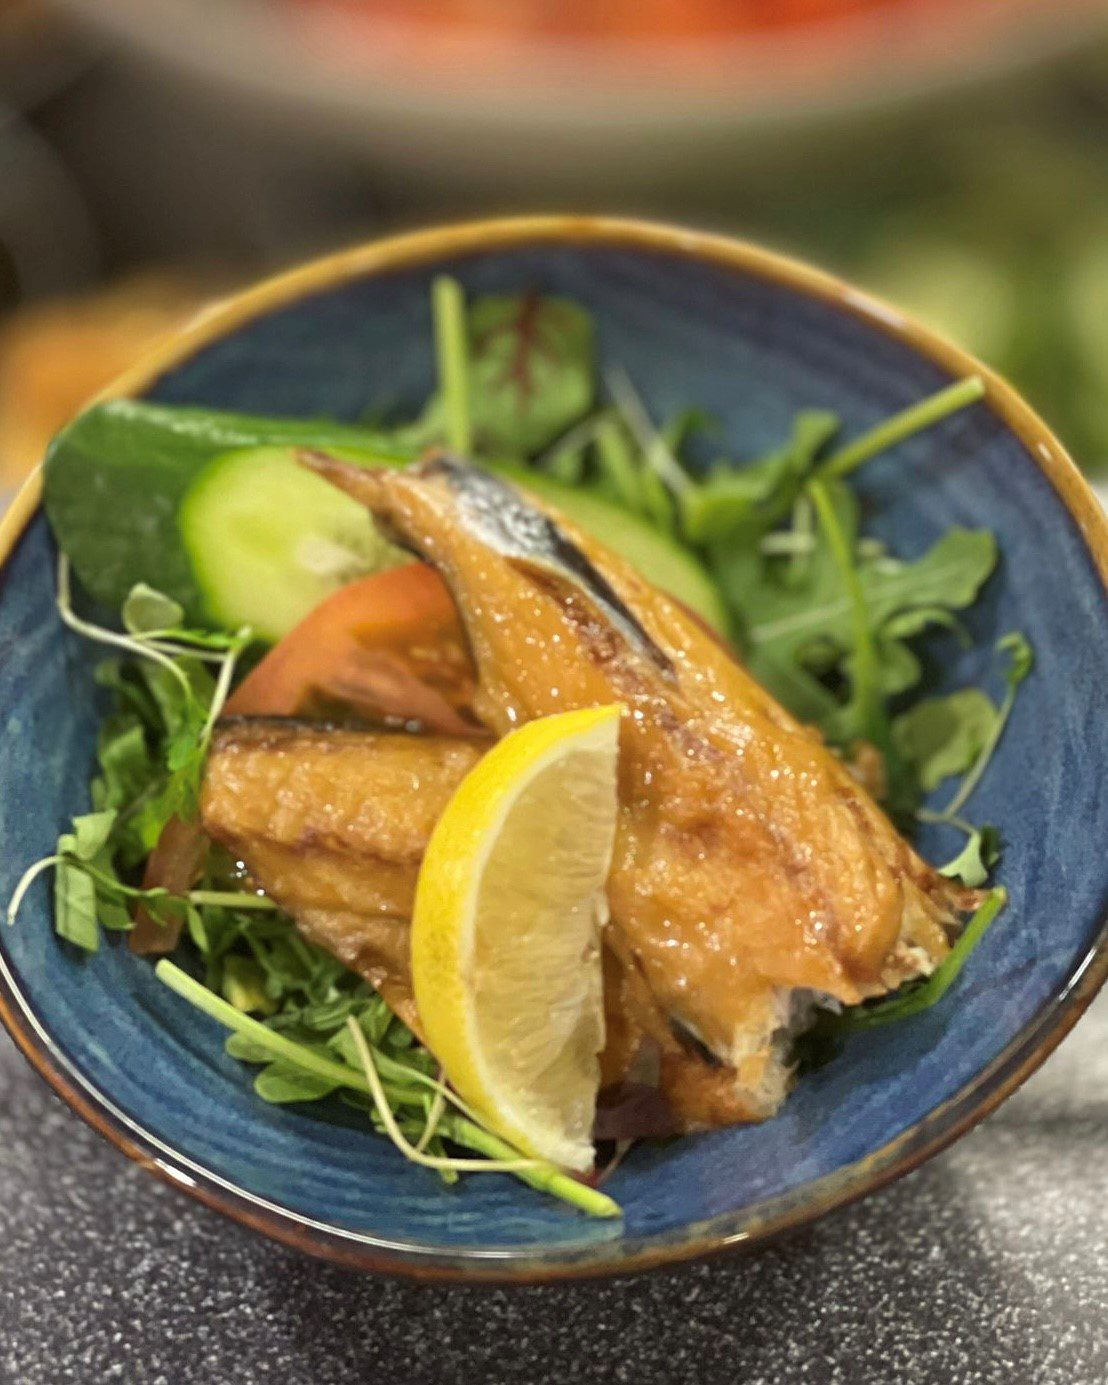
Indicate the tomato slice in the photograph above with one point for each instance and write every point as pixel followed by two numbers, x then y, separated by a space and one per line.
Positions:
pixel 389 646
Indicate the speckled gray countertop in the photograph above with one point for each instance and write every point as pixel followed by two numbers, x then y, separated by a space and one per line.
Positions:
pixel 987 1265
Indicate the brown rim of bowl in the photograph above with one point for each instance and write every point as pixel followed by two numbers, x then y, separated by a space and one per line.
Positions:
pixel 733 1231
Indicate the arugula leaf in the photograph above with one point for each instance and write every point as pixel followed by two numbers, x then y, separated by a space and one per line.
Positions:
pixel 751 499
pixel 179 704
pixel 198 930
pixel 658 504
pixel 898 669
pixel 1021 660
pixel 181 747
pixel 942 736
pixel 329 1015
pixel 799 627
pixel 135 702
pixel 864 715
pixel 127 766
pixel 948 577
pixel 183 744
pixel 112 913
pixel 686 424
pixel 618 465
pixel 567 464
pixel 972 864
pixel 914 622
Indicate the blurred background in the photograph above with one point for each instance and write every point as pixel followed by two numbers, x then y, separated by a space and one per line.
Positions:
pixel 951 155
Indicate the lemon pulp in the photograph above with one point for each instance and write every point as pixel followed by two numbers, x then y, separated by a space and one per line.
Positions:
pixel 507 926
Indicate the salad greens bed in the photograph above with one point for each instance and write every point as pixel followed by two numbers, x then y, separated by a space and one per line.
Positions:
pixel 771 551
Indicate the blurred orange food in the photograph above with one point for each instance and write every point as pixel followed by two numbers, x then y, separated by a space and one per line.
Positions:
pixel 55 356
pixel 629 18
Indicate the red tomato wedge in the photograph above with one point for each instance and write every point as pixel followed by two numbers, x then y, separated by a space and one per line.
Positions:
pixel 389 646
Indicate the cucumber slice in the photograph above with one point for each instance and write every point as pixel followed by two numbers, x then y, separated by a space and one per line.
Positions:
pixel 647 549
pixel 268 540
pixel 212 509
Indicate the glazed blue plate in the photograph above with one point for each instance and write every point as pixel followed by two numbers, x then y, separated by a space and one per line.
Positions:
pixel 752 339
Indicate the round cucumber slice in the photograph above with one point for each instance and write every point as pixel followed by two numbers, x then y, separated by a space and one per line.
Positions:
pixel 268 540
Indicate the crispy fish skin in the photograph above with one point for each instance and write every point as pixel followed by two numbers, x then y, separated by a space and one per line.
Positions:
pixel 751 871
pixel 332 824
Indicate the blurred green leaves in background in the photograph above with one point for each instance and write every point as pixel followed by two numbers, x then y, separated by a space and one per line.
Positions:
pixel 996 234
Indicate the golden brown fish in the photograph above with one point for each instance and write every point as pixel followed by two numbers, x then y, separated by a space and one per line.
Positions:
pixel 332 824
pixel 752 874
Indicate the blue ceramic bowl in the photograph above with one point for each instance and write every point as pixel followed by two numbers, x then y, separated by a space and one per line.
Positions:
pixel 752 338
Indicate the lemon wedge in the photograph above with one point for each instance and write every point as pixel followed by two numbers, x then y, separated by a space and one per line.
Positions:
pixel 506 932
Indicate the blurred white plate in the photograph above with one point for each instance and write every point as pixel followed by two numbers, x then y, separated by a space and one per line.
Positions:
pixel 625 108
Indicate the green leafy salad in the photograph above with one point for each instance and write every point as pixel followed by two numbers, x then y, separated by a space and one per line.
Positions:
pixel 201 528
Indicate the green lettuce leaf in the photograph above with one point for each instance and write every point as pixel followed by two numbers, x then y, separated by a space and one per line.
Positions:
pixel 943 736
pixel 531 371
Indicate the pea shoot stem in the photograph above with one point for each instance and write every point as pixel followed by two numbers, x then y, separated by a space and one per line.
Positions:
pixel 414 1152
pixel 902 425
pixel 390 1075
pixel 654 447
pixel 452 353
pixel 30 875
pixel 865 651
pixel 225 899
pixel 100 635
pixel 946 819
pixel 434 1115
pixel 900 1007
pixel 341 1074
pixel 223 685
